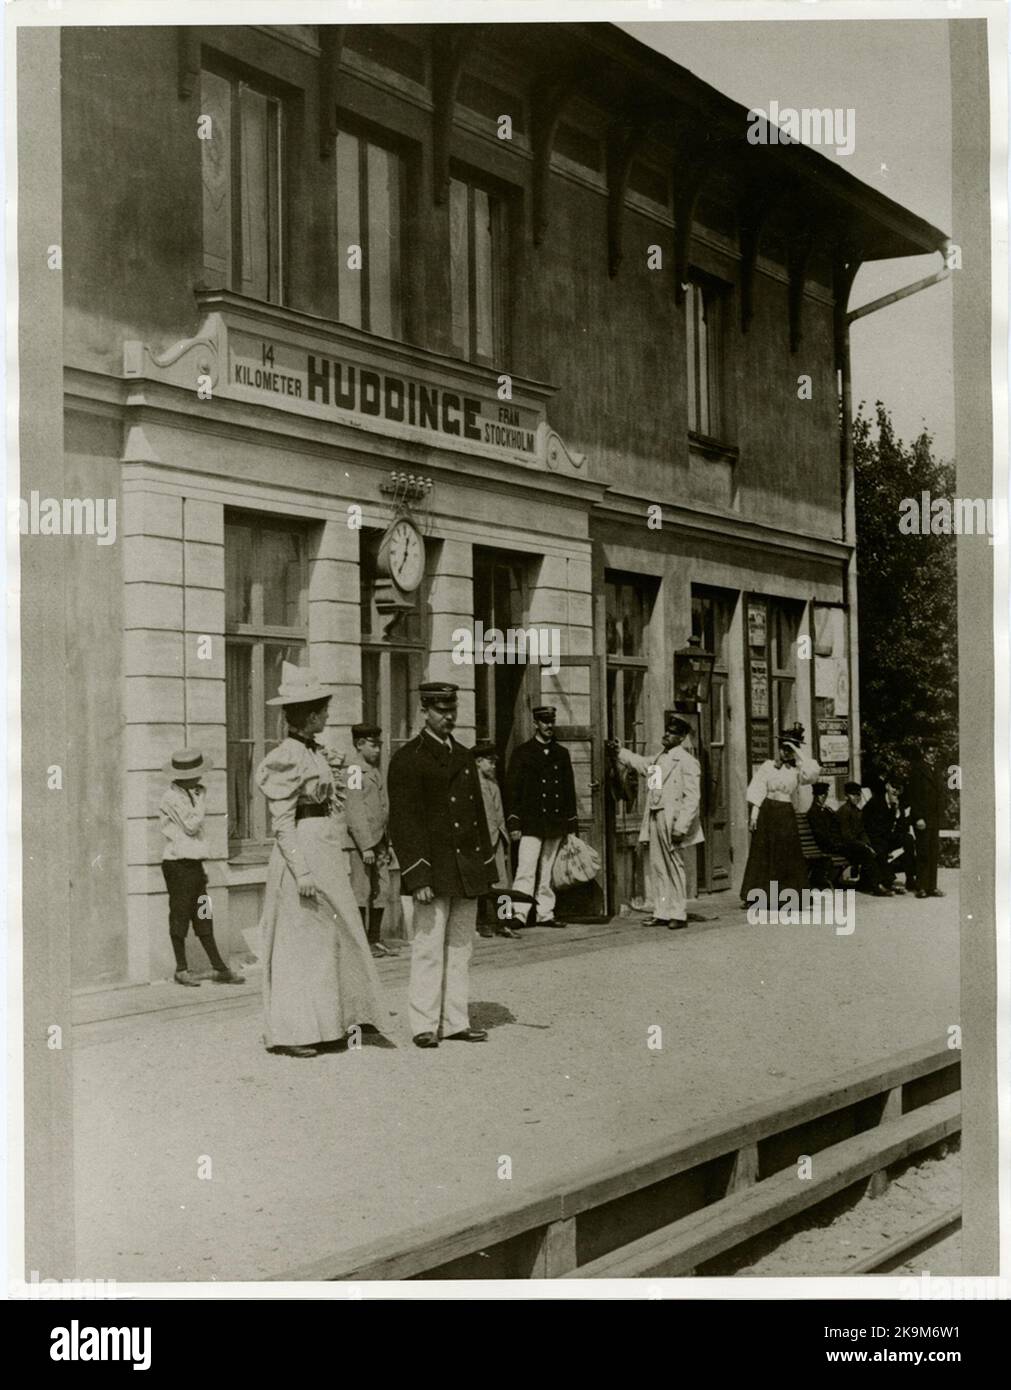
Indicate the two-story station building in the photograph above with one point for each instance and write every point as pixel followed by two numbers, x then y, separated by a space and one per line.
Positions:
pixel 529 291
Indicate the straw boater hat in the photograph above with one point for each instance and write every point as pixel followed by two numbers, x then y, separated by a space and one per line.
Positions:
pixel 185 763
pixel 298 685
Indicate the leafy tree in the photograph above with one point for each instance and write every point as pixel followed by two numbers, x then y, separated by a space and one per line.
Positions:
pixel 907 600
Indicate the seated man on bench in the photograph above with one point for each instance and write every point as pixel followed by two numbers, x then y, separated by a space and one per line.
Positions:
pixel 824 826
pixel 855 844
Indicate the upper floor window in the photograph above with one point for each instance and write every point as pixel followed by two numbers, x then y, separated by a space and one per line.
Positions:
pixel 241 165
pixel 369 201
pixel 704 315
pixel 478 252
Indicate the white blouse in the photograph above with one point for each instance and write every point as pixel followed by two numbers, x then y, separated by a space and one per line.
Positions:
pixel 780 783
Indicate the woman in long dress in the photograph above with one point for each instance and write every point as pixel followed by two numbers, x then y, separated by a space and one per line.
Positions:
pixel 776 854
pixel 319 977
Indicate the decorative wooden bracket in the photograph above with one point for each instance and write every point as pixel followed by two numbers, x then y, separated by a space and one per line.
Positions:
pixel 547 112
pixel 188 38
pixel 449 52
pixel 331 43
pixel 623 141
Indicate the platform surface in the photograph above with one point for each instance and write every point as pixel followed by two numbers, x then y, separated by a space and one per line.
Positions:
pixel 308 1158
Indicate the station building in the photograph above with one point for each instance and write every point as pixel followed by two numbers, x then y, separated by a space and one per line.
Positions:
pixel 378 335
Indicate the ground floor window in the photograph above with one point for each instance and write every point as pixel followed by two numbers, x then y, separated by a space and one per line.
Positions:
pixel 394 650
pixel 266 623
pixel 772 627
pixel 501 589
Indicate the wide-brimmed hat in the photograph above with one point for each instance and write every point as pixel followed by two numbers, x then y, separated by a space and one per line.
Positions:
pixel 185 763
pixel 298 685
pixel 794 737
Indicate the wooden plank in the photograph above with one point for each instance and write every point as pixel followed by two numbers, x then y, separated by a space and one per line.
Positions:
pixel 733 1220
pixel 556 1252
pixel 664 1158
pixel 745 1169
pixel 423 1247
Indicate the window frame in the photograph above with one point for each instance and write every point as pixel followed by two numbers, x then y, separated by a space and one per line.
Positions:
pixel 387 643
pixel 502 238
pixel 255 635
pixel 713 295
pixel 280 180
pixel 366 138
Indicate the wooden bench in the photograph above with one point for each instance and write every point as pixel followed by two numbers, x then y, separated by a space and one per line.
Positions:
pixel 837 863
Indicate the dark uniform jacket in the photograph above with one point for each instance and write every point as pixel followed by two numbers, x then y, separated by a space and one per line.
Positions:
pixel 437 821
pixel 926 793
pixel 824 825
pixel 851 824
pixel 886 825
pixel 541 790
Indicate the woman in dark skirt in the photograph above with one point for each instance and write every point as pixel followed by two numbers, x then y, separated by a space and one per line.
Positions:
pixel 776 855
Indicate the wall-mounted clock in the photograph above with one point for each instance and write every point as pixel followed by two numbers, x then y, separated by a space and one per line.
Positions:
pixel 402 555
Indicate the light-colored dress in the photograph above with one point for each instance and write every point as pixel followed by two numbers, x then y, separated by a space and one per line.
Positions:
pixel 319 977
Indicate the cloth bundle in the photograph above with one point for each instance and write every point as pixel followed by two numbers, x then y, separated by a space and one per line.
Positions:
pixel 575 862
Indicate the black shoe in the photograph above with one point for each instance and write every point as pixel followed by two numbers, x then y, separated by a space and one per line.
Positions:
pixel 228 977
pixel 295 1051
pixel 898 889
pixel 185 977
pixel 551 922
pixel 922 893
pixel 485 931
pixel 880 892
pixel 936 893
pixel 656 922
pixel 425 1040
pixel 507 931
pixel 468 1035
pixel 676 925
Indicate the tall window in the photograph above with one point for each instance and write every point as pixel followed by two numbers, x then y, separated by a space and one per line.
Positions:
pixel 242 173
pixel 478 251
pixel 393 653
pixel 628 605
pixel 369 199
pixel 500 601
pixel 704 301
pixel 772 627
pixel 266 622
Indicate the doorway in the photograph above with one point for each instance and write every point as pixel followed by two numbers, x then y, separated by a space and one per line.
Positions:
pixel 712 614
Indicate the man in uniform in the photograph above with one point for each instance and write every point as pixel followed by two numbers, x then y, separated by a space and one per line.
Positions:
pixel 541 796
pixel 670 819
pixel 440 838
pixel 926 804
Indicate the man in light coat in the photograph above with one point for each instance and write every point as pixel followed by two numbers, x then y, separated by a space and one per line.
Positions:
pixel 670 819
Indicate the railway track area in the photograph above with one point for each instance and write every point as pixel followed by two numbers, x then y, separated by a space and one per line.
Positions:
pixel 861 1177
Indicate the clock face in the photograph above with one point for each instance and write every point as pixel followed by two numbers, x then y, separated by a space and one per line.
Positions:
pixel 405 556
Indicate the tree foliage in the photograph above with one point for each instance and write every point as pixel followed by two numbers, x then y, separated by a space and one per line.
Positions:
pixel 907 599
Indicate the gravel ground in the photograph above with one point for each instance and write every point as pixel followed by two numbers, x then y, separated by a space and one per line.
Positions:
pixel 306 1158
pixel 849 1229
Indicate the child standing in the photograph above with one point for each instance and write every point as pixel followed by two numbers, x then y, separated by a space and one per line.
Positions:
pixel 181 817
pixel 367 810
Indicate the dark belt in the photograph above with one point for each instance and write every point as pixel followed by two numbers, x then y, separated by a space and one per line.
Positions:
pixel 319 809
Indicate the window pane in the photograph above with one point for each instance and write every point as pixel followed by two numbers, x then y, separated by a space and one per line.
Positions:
pixel 371 713
pixel 349 230
pixel 786 622
pixel 281 574
pixel 256 192
pixel 238 695
pixel 216 171
pixel 384 242
pixel 238 573
pixel 711 362
pixel 274 653
pixel 402 695
pixel 631 620
pixel 484 284
pixel 702 376
pixel 459 243
pixel 786 692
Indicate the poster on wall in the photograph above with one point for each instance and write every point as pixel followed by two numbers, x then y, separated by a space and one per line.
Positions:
pixel 834 744
pixel 756 624
pixel 759 690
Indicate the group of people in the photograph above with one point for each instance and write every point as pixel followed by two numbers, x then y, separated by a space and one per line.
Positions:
pixel 888 835
pixel 439 820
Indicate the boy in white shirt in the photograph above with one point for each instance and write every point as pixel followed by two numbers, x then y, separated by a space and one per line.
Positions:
pixel 181 817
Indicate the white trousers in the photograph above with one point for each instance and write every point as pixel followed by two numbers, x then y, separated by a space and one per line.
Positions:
pixel 442 934
pixel 666 873
pixel 534 864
